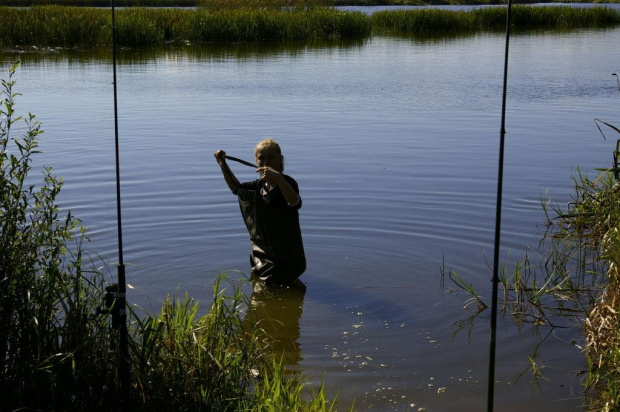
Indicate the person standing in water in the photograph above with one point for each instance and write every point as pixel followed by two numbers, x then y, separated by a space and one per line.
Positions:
pixel 270 208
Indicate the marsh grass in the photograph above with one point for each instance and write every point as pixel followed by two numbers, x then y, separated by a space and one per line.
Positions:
pixel 558 281
pixel 53 26
pixel 574 278
pixel 55 353
pixel 402 22
pixel 213 361
pixel 272 20
pixel 100 3
pixel 286 5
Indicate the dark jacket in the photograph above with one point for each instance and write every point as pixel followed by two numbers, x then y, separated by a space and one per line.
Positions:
pixel 277 251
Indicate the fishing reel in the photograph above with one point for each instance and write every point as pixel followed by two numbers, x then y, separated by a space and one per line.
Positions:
pixel 114 305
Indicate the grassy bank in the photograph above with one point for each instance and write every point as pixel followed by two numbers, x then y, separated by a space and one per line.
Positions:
pixel 60 352
pixel 573 281
pixel 195 3
pixel 57 26
pixel 588 232
pixel 492 19
pixel 594 218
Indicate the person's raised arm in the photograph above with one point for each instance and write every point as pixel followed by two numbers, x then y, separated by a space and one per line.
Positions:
pixel 229 177
pixel 274 177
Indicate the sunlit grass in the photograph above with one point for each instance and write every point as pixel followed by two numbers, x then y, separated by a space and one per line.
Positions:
pixel 421 21
pixel 273 21
pixel 53 26
pixel 186 360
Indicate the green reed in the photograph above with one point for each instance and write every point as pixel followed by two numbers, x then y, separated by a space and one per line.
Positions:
pixel 217 5
pixel 58 351
pixel 215 361
pixel 100 3
pixel 53 26
pixel 81 27
pixel 54 352
pixel 493 18
pixel 275 20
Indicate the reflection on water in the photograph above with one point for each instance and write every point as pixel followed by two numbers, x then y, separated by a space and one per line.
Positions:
pixel 191 52
pixel 394 143
pixel 276 310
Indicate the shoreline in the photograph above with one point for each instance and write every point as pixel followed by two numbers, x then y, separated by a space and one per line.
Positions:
pixel 334 3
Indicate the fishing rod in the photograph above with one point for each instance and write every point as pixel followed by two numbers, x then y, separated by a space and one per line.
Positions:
pixel 120 304
pixel 498 221
pixel 243 162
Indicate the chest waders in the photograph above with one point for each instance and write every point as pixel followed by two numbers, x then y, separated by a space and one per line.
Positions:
pixel 276 246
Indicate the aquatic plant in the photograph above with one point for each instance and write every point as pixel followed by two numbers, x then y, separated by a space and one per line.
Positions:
pixel 602 326
pixel 213 361
pixel 100 3
pixel 217 5
pixel 574 278
pixel 492 18
pixel 53 26
pixel 54 352
pixel 274 20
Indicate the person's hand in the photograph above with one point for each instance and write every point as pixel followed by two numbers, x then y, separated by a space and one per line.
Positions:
pixel 269 175
pixel 220 156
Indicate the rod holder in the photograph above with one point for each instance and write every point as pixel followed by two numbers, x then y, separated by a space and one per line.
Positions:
pixel 114 305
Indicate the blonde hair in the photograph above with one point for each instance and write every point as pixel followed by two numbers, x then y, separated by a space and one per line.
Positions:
pixel 269 143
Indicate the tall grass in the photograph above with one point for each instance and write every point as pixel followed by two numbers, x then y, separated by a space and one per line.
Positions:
pixel 87 27
pixel 275 20
pixel 214 361
pixel 58 352
pixel 492 18
pixel 100 3
pixel 217 5
pixel 576 277
pixel 53 351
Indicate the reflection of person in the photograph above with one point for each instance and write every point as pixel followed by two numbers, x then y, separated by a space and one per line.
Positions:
pixel 275 311
pixel 270 206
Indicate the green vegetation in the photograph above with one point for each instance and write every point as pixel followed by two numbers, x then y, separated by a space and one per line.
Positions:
pixel 574 280
pixel 492 18
pixel 195 3
pixel 58 353
pixel 225 21
pixel 49 352
pixel 89 27
pixel 100 3
pixel 587 237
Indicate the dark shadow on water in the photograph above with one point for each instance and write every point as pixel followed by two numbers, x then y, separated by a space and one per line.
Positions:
pixel 276 310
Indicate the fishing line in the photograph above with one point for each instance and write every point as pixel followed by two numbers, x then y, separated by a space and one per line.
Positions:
pixel 243 162
pixel 498 220
pixel 120 305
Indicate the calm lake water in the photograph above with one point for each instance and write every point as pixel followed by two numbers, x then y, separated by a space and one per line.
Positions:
pixel 394 143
